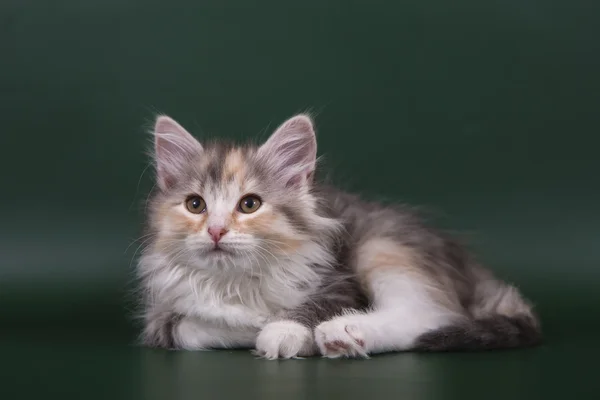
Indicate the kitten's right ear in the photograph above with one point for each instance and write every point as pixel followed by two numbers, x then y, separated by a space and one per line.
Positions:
pixel 174 147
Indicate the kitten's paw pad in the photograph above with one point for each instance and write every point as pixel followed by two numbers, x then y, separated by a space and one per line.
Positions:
pixel 338 338
pixel 283 339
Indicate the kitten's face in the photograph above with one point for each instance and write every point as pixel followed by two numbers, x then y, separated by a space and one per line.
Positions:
pixel 238 206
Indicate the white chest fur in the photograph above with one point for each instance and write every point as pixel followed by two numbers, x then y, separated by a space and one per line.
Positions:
pixel 231 297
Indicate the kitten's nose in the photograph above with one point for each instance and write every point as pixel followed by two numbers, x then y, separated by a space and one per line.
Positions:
pixel 216 233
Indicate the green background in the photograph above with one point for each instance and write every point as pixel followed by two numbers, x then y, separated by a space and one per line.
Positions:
pixel 483 112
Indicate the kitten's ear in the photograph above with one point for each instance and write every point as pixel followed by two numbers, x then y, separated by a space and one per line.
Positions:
pixel 174 147
pixel 291 151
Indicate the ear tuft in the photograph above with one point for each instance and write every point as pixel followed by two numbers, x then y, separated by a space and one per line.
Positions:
pixel 291 151
pixel 174 147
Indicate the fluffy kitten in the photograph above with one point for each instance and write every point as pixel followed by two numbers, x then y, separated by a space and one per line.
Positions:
pixel 247 251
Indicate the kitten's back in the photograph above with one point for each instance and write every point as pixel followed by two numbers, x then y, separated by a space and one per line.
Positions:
pixel 495 313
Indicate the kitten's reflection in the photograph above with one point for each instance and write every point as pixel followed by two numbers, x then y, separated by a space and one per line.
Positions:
pixel 226 374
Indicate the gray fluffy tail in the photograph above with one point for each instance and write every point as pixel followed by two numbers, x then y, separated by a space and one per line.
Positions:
pixel 497 332
pixel 500 319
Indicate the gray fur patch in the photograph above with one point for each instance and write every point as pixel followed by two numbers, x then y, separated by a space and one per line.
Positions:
pixel 339 292
pixel 163 335
pixel 294 217
pixel 497 332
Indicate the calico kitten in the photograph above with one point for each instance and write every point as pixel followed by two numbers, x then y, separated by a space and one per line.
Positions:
pixel 248 251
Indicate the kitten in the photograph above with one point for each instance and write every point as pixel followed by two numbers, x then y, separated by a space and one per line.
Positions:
pixel 247 251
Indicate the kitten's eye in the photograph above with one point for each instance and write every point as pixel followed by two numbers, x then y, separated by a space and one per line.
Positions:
pixel 249 204
pixel 195 204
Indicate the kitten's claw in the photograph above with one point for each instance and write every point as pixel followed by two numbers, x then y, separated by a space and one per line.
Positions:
pixel 339 338
pixel 283 339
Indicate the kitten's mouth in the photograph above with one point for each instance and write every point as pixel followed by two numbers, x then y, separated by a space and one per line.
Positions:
pixel 218 250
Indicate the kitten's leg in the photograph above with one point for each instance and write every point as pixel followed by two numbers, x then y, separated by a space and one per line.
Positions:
pixel 158 329
pixel 406 302
pixel 292 335
pixel 174 331
pixel 192 333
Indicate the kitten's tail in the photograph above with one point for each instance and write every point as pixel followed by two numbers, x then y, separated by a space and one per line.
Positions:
pixel 502 319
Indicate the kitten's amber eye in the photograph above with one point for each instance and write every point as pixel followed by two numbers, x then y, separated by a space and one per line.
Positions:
pixel 195 204
pixel 249 204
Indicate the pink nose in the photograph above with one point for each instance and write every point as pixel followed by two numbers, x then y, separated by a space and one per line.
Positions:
pixel 216 233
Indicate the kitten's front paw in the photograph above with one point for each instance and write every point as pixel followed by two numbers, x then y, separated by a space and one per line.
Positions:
pixel 340 338
pixel 284 339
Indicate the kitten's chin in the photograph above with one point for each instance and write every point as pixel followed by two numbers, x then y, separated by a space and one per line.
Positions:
pixel 219 254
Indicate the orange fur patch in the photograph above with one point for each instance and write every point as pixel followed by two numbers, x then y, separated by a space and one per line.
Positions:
pixel 179 222
pixel 383 256
pixel 263 226
pixel 234 166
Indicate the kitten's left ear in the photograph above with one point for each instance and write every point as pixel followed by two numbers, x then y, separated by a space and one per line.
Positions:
pixel 291 151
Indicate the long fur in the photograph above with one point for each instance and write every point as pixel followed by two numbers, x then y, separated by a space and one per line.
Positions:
pixel 313 270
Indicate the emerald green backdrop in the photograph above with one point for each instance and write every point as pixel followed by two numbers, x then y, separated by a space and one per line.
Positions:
pixel 484 112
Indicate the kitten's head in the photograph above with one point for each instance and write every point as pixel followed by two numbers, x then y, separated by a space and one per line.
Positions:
pixel 219 204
